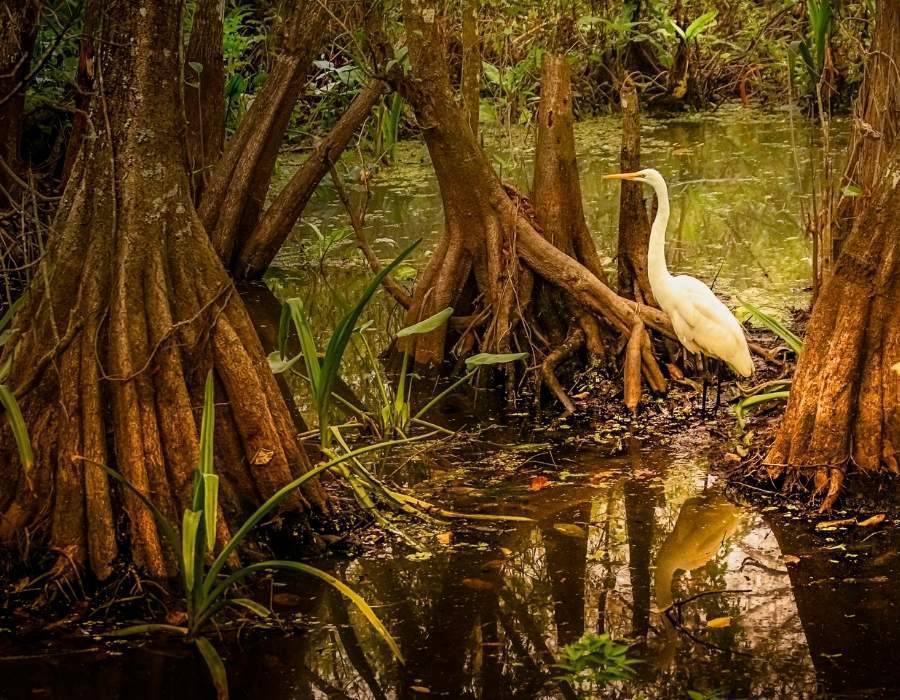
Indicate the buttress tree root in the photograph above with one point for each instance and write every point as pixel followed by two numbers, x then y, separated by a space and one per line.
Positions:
pixel 844 408
pixel 130 311
pixel 497 252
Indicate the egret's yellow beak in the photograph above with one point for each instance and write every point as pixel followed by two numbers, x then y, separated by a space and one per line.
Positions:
pixel 621 176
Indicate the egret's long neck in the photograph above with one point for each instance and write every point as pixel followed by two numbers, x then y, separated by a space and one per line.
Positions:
pixel 656 254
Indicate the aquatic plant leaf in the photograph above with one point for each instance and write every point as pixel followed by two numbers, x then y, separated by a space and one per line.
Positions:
pixel 483 359
pixel 427 325
pixel 718 623
pixel 210 508
pixel 279 364
pixel 190 524
pixel 874 520
pixel 251 605
pixel 215 665
pixel 747 309
pixel 207 426
pixel 19 429
pixel 569 529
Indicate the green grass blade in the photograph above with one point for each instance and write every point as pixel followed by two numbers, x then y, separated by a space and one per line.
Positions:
pixel 208 426
pixel 19 429
pixel 335 583
pixel 148 628
pixel 772 324
pixel 210 508
pixel 251 605
pixel 215 665
pixel 740 409
pixel 190 524
pixel 307 344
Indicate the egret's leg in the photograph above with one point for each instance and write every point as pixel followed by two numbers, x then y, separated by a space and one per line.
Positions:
pixel 705 386
pixel 718 385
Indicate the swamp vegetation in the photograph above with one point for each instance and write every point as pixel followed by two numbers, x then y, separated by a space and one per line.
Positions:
pixel 331 367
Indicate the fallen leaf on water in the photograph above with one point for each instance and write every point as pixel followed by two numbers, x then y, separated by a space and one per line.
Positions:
pixel 420 689
pixel 538 483
pixel 570 529
pixel 287 599
pixel 444 537
pixel 790 559
pixel 719 623
pixel 505 551
pixel 874 520
pixel 478 584
pixel 832 524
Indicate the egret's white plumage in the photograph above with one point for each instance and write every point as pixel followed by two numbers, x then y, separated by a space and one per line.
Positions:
pixel 702 323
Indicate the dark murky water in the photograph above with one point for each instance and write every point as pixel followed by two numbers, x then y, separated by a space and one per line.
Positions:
pixel 485 611
pixel 483 616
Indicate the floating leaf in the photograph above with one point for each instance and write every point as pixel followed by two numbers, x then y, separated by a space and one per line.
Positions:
pixel 718 623
pixel 791 559
pixel 570 530
pixel 444 538
pixel 874 520
pixel 538 483
pixel 478 584
pixel 833 524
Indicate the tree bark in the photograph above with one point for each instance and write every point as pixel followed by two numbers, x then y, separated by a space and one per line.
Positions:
pixel 204 92
pixel 876 123
pixel 18 30
pixel 844 409
pixel 485 262
pixel 634 224
pixel 261 247
pixel 131 310
pixel 471 64
pixel 239 181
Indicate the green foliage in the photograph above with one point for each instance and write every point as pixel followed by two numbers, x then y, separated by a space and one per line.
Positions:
pixel 321 374
pixel 740 410
pixel 207 590
pixel 595 660
pixel 8 399
pixel 243 35
pixel 748 310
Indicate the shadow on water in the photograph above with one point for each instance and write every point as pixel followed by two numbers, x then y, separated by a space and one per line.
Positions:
pixel 616 540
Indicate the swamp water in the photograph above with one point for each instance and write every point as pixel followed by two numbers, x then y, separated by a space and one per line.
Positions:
pixel 796 613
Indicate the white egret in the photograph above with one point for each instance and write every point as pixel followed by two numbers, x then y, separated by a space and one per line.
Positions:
pixel 701 321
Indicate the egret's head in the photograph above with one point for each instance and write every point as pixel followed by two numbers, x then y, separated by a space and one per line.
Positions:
pixel 648 176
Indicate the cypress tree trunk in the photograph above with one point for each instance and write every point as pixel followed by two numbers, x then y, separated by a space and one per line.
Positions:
pixel 204 94
pixel 131 309
pixel 844 409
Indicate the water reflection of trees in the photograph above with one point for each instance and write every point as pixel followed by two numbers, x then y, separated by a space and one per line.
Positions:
pixel 486 621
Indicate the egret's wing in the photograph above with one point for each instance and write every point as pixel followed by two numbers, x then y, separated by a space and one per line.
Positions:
pixel 712 326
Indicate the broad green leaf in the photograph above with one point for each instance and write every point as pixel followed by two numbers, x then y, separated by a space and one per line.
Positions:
pixel 19 429
pixel 190 524
pixel 251 605
pixel 488 358
pixel 210 508
pixel 215 665
pixel 747 309
pixel 427 325
pixel 699 25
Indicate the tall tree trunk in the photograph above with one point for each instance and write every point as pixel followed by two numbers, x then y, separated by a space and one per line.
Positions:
pixel 484 263
pixel 471 64
pixel 634 224
pixel 238 183
pixel 262 245
pixel 18 30
pixel 876 123
pixel 204 93
pixel 844 409
pixel 131 310
pixel 84 84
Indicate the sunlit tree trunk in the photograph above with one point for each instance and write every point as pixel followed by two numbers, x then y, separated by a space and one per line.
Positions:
pixel 18 30
pixel 471 63
pixel 131 309
pixel 844 408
